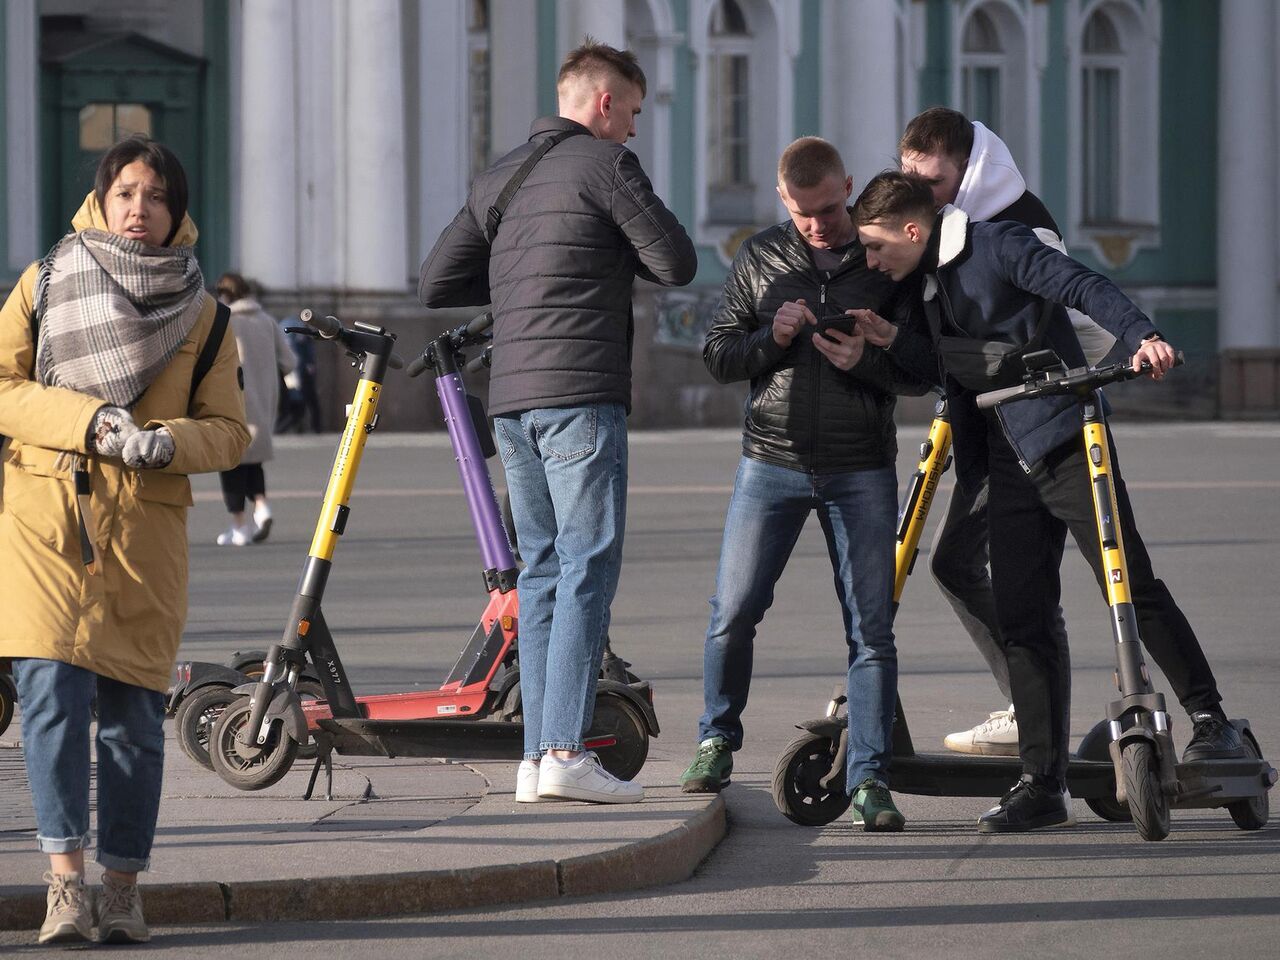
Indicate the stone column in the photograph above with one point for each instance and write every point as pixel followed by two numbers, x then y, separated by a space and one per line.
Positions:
pixel 603 20
pixel 513 58
pixel 268 220
pixel 859 112
pixel 1247 201
pixel 22 133
pixel 377 217
pixel 443 117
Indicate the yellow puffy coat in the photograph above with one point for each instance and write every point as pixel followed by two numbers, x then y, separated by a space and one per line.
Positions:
pixel 125 620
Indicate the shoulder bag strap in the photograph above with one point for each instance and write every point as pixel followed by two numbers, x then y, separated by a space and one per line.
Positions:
pixel 209 352
pixel 493 216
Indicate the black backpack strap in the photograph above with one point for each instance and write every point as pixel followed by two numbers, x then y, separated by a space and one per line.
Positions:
pixel 493 216
pixel 209 352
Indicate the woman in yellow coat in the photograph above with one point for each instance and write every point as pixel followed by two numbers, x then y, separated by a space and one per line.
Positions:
pixel 97 398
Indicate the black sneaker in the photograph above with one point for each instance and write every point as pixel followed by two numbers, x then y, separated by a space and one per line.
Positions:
pixel 1213 738
pixel 1028 806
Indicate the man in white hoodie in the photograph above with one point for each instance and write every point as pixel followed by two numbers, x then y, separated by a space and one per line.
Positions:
pixel 968 166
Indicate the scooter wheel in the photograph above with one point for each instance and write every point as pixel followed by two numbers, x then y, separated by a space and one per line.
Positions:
pixel 1253 813
pixel 1148 805
pixel 249 766
pixel 1096 746
pixel 195 718
pixel 248 662
pixel 8 697
pixel 619 721
pixel 797 782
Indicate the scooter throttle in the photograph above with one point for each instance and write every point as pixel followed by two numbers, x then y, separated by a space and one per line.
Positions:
pixel 988 400
pixel 481 360
pixel 328 327
pixel 417 364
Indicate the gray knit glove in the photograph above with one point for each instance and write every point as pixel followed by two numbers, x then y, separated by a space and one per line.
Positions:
pixel 149 448
pixel 110 430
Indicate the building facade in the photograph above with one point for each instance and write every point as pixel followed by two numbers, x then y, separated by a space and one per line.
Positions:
pixel 329 142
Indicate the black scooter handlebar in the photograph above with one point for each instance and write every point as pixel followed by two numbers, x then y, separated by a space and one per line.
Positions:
pixel 1080 381
pixel 330 328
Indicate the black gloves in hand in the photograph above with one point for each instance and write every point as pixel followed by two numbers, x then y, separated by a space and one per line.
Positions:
pixel 110 430
pixel 149 448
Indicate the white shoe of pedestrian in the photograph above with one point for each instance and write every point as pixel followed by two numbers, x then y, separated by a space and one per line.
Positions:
pixel 69 918
pixel 582 778
pixel 262 523
pixel 527 782
pixel 236 536
pixel 996 736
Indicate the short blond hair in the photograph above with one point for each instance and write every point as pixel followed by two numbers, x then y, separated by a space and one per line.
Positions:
pixel 808 161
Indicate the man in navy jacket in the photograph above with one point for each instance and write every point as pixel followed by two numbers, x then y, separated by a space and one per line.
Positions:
pixel 991 281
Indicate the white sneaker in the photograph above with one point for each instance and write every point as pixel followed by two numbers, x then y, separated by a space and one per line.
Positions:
pixel 236 536
pixel 527 782
pixel 582 778
pixel 1071 817
pixel 262 523
pixel 997 736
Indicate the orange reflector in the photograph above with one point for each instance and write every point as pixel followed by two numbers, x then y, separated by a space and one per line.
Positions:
pixel 507 622
pixel 303 627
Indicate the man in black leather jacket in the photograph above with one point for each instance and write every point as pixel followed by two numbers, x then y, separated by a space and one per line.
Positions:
pixel 819 434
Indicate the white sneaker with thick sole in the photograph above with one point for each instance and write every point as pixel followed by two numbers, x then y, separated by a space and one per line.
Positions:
pixel 261 523
pixel 996 736
pixel 582 778
pixel 236 536
pixel 527 782
pixel 69 918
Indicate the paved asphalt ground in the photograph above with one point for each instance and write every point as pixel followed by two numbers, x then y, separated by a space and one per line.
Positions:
pixel 406 591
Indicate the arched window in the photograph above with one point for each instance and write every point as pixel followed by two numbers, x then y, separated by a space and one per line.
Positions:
pixel 731 198
pixel 980 81
pixel 996 84
pixel 1101 63
pixel 478 103
pixel 1114 110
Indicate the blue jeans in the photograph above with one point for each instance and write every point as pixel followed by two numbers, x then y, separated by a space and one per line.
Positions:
pixel 55 701
pixel 768 509
pixel 567 475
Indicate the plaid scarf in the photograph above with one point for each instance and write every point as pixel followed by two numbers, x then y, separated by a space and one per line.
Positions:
pixel 116 311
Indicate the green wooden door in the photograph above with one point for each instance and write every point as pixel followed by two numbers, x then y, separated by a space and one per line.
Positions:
pixel 105 89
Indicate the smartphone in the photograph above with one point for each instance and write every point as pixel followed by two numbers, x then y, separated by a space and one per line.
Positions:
pixel 835 321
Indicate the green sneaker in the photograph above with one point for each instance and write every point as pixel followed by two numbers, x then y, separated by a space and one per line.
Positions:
pixel 710 769
pixel 873 809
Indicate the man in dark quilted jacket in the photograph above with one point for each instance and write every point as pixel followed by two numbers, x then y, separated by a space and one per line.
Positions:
pixel 558 267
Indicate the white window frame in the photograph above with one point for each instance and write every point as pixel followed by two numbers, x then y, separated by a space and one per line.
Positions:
pixel 1020 67
pixel 1139 28
pixel 775 45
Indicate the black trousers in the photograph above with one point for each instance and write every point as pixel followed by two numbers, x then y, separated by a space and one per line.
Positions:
pixel 246 481
pixel 1029 516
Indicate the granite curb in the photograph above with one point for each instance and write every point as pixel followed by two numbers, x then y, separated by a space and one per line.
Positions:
pixel 652 861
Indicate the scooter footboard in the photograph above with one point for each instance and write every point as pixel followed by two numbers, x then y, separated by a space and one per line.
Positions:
pixel 456 739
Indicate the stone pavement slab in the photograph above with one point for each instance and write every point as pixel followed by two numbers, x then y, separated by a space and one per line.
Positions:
pixel 399 836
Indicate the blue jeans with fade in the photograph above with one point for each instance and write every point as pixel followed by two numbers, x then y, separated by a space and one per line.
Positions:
pixel 55 699
pixel 767 511
pixel 566 473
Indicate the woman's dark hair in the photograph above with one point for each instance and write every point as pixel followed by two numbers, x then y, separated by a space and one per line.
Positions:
pixel 232 287
pixel 156 156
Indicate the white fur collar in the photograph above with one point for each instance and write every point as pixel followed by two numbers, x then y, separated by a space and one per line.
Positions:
pixel 953 230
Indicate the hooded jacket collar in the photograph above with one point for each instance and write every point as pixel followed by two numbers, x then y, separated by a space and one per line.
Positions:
pixel 991 179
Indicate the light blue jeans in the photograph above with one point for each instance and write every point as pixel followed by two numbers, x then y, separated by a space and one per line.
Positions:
pixel 768 509
pixel 567 476
pixel 55 700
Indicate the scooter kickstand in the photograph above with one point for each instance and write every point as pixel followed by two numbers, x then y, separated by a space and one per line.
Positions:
pixel 324 757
